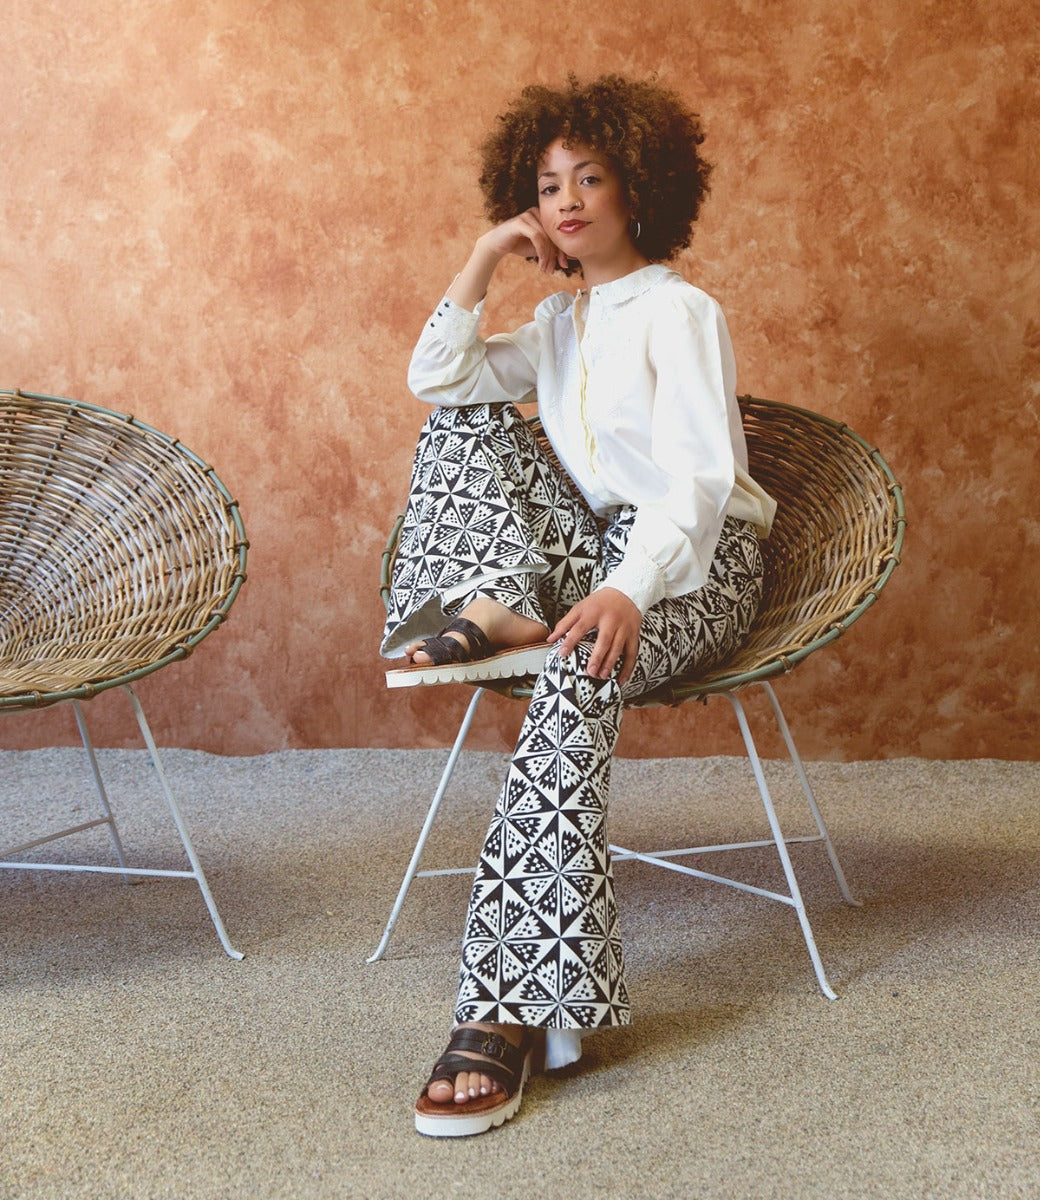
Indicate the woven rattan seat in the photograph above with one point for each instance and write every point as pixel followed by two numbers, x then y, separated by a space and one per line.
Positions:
pixel 835 542
pixel 120 551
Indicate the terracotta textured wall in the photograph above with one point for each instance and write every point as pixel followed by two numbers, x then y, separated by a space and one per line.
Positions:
pixel 230 217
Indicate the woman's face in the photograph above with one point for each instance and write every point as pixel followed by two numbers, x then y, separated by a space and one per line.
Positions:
pixel 584 209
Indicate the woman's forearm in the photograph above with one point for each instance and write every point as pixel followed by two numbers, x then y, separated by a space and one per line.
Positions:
pixel 470 286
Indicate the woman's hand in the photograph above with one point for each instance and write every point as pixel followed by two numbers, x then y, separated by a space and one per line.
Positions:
pixel 524 235
pixel 617 620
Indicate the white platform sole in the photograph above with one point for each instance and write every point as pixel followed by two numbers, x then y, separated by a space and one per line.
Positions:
pixel 522 660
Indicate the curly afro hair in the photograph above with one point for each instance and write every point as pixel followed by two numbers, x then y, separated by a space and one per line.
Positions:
pixel 650 136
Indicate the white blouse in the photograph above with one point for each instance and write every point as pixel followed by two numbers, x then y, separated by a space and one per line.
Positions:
pixel 636 388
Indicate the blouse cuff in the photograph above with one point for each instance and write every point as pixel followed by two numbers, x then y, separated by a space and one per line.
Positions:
pixel 639 578
pixel 454 325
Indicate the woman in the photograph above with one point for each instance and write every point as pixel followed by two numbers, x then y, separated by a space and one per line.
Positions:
pixel 637 561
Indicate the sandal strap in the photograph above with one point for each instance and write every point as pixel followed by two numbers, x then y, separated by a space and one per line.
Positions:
pixel 443 650
pixel 453 1064
pixel 479 645
pixel 503 1062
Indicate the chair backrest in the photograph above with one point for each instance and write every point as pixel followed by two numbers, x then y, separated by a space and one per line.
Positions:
pixel 120 550
pixel 835 541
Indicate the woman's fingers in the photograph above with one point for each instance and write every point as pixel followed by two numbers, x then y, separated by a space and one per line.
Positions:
pixel 544 248
pixel 526 236
pixel 569 630
pixel 603 655
pixel 628 659
pixel 535 242
pixel 616 621
pixel 610 649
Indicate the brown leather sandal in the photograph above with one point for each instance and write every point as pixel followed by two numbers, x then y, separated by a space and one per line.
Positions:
pixel 455 663
pixel 508 1065
pixel 443 649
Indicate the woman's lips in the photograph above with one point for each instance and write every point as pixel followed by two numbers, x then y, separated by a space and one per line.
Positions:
pixel 571 226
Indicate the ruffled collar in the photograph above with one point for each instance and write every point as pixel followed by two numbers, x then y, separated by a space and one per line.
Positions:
pixel 635 283
pixel 618 291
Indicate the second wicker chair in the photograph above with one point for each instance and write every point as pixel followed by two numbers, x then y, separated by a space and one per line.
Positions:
pixel 120 551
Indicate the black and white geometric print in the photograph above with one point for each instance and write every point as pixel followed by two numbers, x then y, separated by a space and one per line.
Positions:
pixel 486 503
pixel 542 945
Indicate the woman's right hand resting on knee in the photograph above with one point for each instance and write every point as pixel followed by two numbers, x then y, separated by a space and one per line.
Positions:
pixel 617 622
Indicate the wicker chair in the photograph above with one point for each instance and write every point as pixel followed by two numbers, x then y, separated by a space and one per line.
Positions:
pixel 835 541
pixel 119 552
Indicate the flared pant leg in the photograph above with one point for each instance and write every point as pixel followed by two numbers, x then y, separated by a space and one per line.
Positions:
pixel 487 512
pixel 542 944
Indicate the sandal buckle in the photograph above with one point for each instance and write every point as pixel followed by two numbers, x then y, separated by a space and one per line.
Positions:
pixel 495 1046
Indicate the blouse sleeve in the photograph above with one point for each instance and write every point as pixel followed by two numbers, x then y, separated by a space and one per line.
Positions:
pixel 696 437
pixel 451 366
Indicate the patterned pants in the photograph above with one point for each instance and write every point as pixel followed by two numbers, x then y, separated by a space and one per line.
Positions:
pixel 489 514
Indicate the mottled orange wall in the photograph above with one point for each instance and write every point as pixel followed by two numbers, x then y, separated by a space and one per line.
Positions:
pixel 230 217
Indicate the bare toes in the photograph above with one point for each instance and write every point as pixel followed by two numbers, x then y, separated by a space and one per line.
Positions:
pixel 441 1092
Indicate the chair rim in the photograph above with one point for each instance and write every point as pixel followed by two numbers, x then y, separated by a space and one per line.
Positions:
pixel 719 680
pixel 36 698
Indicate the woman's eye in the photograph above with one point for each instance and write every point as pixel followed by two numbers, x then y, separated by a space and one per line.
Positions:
pixel 591 179
pixel 550 189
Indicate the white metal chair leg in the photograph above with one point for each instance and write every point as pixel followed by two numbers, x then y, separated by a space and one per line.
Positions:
pixel 413 871
pixel 99 784
pixel 666 858
pixel 196 871
pixel 825 837
pixel 107 817
pixel 781 846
